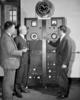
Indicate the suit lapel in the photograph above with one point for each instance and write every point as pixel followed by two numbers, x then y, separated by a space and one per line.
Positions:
pixel 12 41
pixel 23 39
pixel 60 46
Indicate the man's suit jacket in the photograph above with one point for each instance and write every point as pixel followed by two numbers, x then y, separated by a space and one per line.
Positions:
pixel 63 56
pixel 21 43
pixel 64 51
pixel 9 53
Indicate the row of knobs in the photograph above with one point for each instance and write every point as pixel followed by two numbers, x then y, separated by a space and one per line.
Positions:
pixel 38 77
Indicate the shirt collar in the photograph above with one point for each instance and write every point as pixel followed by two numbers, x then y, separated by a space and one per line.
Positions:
pixel 22 36
pixel 62 37
pixel 9 34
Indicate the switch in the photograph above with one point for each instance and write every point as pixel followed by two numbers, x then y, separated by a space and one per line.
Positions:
pixel 51 64
pixel 34 69
pixel 54 64
pixel 49 76
pixel 38 77
pixel 48 67
pixel 34 77
pixel 54 51
pixel 49 70
pixel 30 77
pixel 48 63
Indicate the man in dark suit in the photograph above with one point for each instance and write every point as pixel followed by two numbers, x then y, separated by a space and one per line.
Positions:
pixel 21 73
pixel 63 56
pixel 10 59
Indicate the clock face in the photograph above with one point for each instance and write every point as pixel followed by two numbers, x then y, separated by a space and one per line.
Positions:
pixel 42 9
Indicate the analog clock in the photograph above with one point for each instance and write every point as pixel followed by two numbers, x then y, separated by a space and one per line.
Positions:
pixel 42 9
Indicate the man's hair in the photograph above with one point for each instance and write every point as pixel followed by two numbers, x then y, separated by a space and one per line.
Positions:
pixel 8 24
pixel 63 28
pixel 22 27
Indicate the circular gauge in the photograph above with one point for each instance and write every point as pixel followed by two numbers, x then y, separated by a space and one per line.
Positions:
pixel 42 9
pixel 34 36
pixel 54 36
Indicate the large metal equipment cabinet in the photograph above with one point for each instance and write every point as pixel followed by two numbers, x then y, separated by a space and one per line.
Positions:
pixel 42 56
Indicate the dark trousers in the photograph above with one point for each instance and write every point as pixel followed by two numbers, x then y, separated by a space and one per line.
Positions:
pixel 63 81
pixel 21 75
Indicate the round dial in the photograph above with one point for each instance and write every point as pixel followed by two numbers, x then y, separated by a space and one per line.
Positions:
pixel 54 36
pixel 42 8
pixel 34 36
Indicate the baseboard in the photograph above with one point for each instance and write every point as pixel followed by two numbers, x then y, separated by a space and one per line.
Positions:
pixel 75 81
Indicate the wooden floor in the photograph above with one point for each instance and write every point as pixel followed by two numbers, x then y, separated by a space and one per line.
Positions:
pixel 49 94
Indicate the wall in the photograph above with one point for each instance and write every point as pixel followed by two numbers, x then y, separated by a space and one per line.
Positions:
pixel 0 20
pixel 70 9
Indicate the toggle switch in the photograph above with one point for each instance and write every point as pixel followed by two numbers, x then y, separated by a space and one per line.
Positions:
pixel 30 77
pixel 47 67
pixel 49 71
pixel 48 63
pixel 54 64
pixel 54 51
pixel 34 77
pixel 51 63
pixel 49 76
pixel 38 77
pixel 34 69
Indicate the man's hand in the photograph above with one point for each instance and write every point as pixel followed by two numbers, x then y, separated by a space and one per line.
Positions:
pixel 64 67
pixel 25 50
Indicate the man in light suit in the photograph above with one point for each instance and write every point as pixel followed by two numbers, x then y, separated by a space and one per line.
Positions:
pixel 9 59
pixel 22 71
